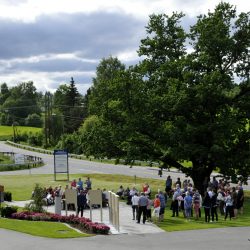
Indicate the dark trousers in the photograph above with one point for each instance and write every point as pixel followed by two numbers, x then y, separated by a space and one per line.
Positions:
pixel 207 213
pixel 230 211
pixel 135 212
pixel 175 208
pixel 80 209
pixel 142 210
pixel 214 213
pixel 149 214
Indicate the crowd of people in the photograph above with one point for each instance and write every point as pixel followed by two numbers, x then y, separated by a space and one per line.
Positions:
pixel 82 188
pixel 187 200
pixel 219 196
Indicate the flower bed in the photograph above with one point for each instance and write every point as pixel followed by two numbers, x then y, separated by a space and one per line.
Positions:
pixel 81 223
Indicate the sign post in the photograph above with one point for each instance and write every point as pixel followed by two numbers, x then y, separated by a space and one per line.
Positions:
pixel 95 198
pixel 61 162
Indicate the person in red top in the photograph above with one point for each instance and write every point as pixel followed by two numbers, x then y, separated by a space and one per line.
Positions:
pixel 157 204
pixel 73 183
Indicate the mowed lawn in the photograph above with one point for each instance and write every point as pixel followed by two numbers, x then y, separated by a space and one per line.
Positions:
pixel 41 228
pixel 8 130
pixel 180 223
pixel 21 187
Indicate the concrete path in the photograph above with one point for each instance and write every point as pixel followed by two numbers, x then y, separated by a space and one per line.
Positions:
pixel 127 225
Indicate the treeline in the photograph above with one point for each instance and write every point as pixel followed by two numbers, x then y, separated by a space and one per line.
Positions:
pixel 188 99
pixel 58 113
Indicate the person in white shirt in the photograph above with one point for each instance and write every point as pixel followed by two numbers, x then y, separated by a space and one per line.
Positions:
pixel 135 200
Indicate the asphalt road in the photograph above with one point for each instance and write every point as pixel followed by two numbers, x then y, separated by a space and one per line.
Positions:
pixel 86 167
pixel 228 238
pixel 83 167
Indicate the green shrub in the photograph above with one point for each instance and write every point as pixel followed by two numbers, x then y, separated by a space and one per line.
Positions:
pixel 35 139
pixel 34 120
pixel 38 200
pixel 8 211
pixel 7 196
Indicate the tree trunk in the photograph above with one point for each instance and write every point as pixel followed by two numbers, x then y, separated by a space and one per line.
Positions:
pixel 201 176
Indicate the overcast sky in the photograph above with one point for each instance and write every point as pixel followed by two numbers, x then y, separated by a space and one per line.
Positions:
pixel 49 41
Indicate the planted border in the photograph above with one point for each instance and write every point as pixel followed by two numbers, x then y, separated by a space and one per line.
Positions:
pixel 82 223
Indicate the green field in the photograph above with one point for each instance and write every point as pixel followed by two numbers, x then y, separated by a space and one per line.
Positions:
pixel 41 228
pixel 21 186
pixel 8 130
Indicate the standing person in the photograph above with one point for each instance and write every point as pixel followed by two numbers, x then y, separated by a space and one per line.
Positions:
pixel 157 207
pixel 149 205
pixel 81 202
pixel 160 172
pixel 168 187
pixel 229 205
pixel 80 184
pixel 162 205
pixel 221 201
pixel 215 184
pixel 178 182
pixel 73 183
pixel 240 199
pixel 142 204
pixel 234 197
pixel 196 203
pixel 88 184
pixel 207 206
pixel 214 205
pixel 135 201
pixel 188 205
pixel 147 190
pixel 175 202
pixel 131 194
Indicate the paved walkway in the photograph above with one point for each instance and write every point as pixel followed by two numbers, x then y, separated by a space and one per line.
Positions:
pixel 127 225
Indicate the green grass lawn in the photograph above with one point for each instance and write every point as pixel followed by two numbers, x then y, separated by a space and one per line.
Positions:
pixel 21 186
pixel 8 130
pixel 180 223
pixel 41 228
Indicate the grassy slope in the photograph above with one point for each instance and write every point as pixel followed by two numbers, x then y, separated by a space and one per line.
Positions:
pixel 41 228
pixel 8 130
pixel 21 186
pixel 180 223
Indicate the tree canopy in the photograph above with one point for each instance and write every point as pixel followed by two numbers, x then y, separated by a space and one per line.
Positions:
pixel 175 105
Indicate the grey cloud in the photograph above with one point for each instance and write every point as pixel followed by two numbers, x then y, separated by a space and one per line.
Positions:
pixel 78 78
pixel 94 36
pixel 54 65
pixel 13 2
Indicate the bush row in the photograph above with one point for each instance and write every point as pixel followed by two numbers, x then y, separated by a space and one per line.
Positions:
pixel 8 211
pixel 82 223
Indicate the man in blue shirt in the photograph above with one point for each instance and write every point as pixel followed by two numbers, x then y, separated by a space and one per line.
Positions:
pixel 162 206
pixel 80 184
pixel 142 204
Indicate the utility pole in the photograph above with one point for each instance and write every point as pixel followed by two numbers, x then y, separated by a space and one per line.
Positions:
pixel 47 117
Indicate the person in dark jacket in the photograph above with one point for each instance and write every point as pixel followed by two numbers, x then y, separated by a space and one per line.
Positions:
pixel 81 202
pixel 214 205
pixel 207 206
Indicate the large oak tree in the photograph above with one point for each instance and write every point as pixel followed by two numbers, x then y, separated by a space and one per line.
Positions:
pixel 176 106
